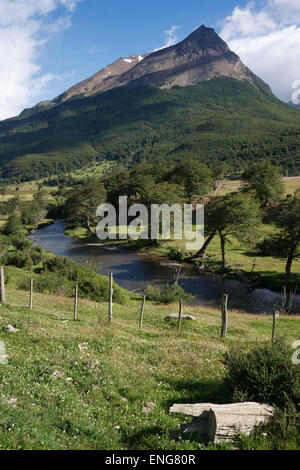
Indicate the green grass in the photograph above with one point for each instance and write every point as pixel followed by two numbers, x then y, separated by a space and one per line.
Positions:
pixel 292 184
pixel 83 385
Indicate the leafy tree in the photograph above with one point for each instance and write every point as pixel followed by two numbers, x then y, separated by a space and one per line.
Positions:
pixel 162 193
pixel 41 198
pixel 265 180
pixel 4 244
pixel 33 214
pixel 14 205
pixel 195 176
pixel 118 183
pixel 286 244
pixel 13 225
pixel 236 215
pixel 82 204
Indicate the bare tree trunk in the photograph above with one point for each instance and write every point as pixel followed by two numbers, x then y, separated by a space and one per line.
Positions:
pixel 90 229
pixel 201 253
pixel 223 242
pixel 288 268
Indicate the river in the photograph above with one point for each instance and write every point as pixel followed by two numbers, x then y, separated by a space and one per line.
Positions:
pixel 135 271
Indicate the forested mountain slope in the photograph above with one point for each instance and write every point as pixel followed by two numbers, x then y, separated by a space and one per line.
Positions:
pixel 222 119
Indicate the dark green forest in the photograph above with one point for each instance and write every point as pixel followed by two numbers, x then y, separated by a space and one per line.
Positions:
pixel 221 120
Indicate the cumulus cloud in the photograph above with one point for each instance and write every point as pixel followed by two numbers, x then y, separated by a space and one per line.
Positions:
pixel 172 37
pixel 267 38
pixel 25 26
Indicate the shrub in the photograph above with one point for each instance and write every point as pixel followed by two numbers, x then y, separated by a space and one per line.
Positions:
pixel 175 253
pixel 167 294
pixel 13 225
pixel 270 246
pixel 36 255
pixel 91 286
pixel 96 287
pixel 19 259
pixel 21 242
pixel 265 373
pixel 49 283
pixel 64 267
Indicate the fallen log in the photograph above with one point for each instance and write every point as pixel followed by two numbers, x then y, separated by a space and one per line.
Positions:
pixel 222 423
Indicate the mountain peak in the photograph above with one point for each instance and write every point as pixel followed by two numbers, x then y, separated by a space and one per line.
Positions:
pixel 201 56
pixel 206 38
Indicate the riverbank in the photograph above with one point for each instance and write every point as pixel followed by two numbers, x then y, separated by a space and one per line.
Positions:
pixel 91 385
pixel 242 264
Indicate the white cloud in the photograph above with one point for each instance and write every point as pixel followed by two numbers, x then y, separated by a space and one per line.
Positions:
pixel 25 26
pixel 267 38
pixel 287 10
pixel 172 37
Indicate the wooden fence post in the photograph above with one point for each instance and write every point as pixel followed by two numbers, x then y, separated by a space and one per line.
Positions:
pixel 2 286
pixel 111 293
pixel 75 303
pixel 142 312
pixel 275 315
pixel 180 316
pixel 31 295
pixel 224 316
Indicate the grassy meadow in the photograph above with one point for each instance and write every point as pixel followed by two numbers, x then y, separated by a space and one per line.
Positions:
pixel 92 385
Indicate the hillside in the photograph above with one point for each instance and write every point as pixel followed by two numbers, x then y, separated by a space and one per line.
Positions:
pixel 84 385
pixel 222 119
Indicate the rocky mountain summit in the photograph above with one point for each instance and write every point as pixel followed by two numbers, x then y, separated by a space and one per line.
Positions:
pixel 201 56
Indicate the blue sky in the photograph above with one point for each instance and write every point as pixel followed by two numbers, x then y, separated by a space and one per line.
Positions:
pixel 46 46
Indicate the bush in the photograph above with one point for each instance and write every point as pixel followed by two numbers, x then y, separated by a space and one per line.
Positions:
pixel 175 253
pixel 19 259
pixel 96 287
pixel 167 294
pixel 49 284
pixel 13 225
pixel 36 255
pixel 91 286
pixel 265 373
pixel 271 246
pixel 64 267
pixel 21 242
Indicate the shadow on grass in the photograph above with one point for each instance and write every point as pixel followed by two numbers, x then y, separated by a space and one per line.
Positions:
pixel 185 391
pixel 198 391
